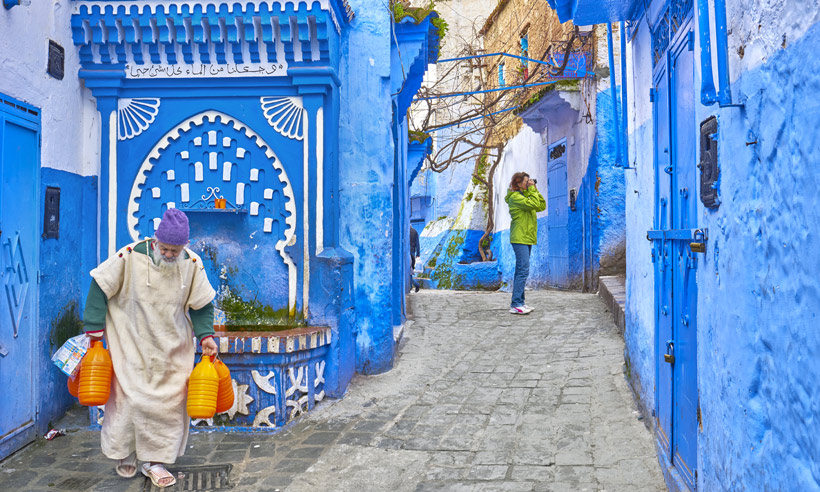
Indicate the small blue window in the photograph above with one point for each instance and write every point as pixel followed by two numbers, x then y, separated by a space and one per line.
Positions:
pixel 501 82
pixel 525 52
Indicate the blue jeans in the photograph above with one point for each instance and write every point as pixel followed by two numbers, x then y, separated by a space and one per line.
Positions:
pixel 522 271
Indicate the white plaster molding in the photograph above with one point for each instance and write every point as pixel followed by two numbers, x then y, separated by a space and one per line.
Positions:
pixel 320 178
pixel 297 406
pixel 298 380
pixel 135 115
pixel 285 115
pixel 263 382
pixel 320 379
pixel 306 216
pixel 241 400
pixel 184 127
pixel 112 184
pixel 263 417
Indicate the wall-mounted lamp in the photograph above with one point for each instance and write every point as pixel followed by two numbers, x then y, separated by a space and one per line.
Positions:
pixel 13 3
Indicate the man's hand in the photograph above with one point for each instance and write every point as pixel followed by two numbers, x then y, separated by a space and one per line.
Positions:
pixel 209 347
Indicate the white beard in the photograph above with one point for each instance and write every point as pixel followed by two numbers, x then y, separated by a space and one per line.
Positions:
pixel 162 262
pixel 165 264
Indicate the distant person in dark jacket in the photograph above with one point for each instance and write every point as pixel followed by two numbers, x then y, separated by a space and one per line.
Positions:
pixel 524 201
pixel 415 250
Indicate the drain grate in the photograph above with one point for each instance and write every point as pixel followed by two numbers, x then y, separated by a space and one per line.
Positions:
pixel 195 478
pixel 75 483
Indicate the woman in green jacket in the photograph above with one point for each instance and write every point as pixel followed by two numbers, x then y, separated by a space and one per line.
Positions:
pixel 524 200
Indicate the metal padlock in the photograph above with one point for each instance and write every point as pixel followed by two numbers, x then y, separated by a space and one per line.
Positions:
pixel 669 358
pixel 697 247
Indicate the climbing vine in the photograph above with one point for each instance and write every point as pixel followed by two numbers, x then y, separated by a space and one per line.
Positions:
pixel 402 9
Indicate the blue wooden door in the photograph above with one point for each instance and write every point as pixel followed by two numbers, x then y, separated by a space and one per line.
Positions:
pixel 675 228
pixel 684 218
pixel 557 209
pixel 19 165
pixel 661 255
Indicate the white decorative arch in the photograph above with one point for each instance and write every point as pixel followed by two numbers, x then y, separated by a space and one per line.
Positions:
pixel 135 115
pixel 211 116
pixel 285 115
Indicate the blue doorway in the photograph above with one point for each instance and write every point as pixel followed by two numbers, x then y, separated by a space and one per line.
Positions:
pixel 557 206
pixel 675 228
pixel 19 246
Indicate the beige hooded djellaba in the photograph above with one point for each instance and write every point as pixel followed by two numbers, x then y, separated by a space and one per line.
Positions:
pixel 150 339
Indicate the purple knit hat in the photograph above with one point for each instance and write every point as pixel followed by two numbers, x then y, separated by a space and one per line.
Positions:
pixel 173 228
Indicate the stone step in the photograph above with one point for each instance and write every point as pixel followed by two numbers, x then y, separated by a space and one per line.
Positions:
pixel 613 292
pixel 426 283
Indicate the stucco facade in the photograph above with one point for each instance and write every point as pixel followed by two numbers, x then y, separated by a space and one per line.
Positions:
pixel 265 109
pixel 754 303
pixel 566 109
pixel 732 351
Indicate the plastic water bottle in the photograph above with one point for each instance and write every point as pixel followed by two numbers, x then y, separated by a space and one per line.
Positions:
pixel 203 387
pixel 224 397
pixel 95 376
pixel 74 381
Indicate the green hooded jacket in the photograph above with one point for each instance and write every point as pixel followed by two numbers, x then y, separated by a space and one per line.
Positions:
pixel 523 206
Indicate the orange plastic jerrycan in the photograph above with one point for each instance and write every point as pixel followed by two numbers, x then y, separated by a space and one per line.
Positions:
pixel 74 381
pixel 203 387
pixel 95 376
pixel 224 396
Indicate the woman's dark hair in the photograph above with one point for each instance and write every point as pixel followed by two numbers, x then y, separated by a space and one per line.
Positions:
pixel 516 180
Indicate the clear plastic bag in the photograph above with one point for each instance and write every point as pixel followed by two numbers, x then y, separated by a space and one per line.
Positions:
pixel 68 357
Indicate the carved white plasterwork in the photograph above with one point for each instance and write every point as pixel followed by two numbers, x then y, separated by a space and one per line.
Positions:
pixel 241 400
pixel 263 382
pixel 285 115
pixel 320 379
pixel 135 115
pixel 263 417
pixel 298 382
pixel 198 120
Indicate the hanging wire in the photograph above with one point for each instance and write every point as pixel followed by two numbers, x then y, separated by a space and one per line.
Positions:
pixel 541 62
pixel 472 119
pixel 455 94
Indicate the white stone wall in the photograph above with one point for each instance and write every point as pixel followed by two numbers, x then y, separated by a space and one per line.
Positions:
pixel 70 126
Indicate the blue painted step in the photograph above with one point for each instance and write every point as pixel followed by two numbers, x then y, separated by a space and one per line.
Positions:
pixel 426 283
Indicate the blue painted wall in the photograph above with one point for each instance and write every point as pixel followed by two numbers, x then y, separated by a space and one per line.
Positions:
pixel 64 266
pixel 758 295
pixel 596 229
pixel 366 153
pixel 759 303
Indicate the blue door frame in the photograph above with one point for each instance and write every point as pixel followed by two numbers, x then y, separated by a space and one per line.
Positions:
pixel 557 210
pixel 675 227
pixel 19 252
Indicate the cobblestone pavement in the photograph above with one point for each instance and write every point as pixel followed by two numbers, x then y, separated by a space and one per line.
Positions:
pixel 479 400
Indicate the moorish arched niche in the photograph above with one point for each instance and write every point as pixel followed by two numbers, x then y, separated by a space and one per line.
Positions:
pixel 214 156
pixel 202 100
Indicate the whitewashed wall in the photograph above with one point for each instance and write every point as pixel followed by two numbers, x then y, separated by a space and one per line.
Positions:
pixel 70 127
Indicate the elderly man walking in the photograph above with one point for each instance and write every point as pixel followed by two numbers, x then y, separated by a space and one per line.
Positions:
pixel 146 299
